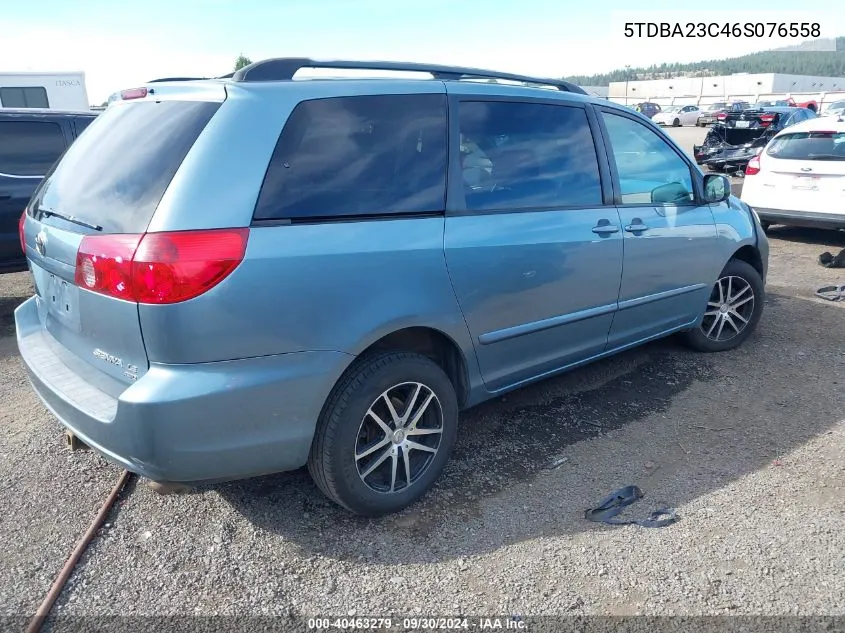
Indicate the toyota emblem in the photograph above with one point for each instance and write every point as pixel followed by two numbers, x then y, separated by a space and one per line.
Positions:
pixel 41 243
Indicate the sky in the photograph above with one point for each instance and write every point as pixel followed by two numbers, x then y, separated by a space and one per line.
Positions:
pixel 124 43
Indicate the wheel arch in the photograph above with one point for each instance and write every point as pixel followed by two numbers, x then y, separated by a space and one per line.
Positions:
pixel 434 344
pixel 750 255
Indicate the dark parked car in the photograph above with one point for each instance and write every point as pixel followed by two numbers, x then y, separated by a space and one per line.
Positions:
pixel 739 136
pixel 648 108
pixel 31 141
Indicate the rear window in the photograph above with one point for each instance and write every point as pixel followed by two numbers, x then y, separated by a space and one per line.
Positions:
pixel 26 97
pixel 809 146
pixel 358 156
pixel 115 174
pixel 29 148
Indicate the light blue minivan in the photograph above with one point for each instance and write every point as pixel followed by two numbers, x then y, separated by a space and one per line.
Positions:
pixel 244 275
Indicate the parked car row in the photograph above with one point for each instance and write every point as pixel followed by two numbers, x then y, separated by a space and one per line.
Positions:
pixel 242 276
pixel 679 115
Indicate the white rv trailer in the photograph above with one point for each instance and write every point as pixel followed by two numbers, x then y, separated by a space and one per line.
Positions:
pixel 56 91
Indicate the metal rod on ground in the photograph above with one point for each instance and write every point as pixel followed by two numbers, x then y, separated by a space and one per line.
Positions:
pixel 59 583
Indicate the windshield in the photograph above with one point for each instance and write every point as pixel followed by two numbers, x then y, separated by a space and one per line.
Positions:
pixel 809 146
pixel 115 174
pixel 672 109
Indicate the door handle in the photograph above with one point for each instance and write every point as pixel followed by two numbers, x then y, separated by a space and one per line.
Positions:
pixel 636 226
pixel 604 227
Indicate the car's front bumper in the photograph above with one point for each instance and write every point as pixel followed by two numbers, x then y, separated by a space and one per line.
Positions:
pixel 194 422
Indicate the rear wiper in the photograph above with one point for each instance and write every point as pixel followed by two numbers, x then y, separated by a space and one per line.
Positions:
pixel 49 212
pixel 825 157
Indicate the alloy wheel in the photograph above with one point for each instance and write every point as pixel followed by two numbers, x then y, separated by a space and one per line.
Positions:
pixel 399 437
pixel 729 309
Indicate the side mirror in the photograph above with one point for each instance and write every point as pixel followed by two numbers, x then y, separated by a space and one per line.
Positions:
pixel 717 188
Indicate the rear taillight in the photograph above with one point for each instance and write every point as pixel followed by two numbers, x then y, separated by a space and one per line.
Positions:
pixel 766 119
pixel 159 268
pixel 133 93
pixel 753 166
pixel 721 116
pixel 21 224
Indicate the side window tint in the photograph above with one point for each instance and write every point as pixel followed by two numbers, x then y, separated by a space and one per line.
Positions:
pixel 527 155
pixel 26 97
pixel 353 156
pixel 650 171
pixel 29 148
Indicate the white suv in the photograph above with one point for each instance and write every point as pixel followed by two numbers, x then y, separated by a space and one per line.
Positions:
pixel 799 177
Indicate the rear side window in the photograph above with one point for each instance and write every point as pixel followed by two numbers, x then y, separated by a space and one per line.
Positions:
pixel 115 175
pixel 358 156
pixel 809 146
pixel 527 155
pixel 29 148
pixel 26 97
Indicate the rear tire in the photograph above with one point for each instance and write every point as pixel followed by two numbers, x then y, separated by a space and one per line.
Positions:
pixel 676 123
pixel 735 303
pixel 365 456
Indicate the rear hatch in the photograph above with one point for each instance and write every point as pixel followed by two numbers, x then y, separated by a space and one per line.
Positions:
pixel 805 171
pixel 86 220
pixel 746 126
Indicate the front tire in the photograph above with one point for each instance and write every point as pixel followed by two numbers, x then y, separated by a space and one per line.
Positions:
pixel 385 433
pixel 676 123
pixel 733 309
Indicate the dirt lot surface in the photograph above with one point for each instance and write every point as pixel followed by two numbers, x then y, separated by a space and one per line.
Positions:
pixel 748 446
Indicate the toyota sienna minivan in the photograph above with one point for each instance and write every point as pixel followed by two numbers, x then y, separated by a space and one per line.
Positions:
pixel 245 275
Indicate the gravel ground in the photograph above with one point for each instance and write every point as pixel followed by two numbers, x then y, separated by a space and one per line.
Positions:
pixel 748 446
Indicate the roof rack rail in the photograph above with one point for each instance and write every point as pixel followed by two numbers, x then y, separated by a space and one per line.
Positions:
pixel 284 68
pixel 163 79
pixel 155 81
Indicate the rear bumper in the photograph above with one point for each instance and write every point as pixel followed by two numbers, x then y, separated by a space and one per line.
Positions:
pixel 722 157
pixel 189 423
pixel 801 218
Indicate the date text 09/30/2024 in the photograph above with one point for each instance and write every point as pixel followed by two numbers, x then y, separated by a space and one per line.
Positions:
pixel 514 623
pixel 722 29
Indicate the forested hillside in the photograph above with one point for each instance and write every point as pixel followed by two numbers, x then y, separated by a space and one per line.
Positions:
pixel 826 64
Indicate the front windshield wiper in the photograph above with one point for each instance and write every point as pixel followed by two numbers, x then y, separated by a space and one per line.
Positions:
pixel 69 218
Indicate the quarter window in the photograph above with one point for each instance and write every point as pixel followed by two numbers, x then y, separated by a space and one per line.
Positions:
pixel 25 97
pixel 358 156
pixel 650 171
pixel 29 148
pixel 527 155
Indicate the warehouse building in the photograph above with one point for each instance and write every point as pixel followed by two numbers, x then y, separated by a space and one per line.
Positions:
pixel 742 86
